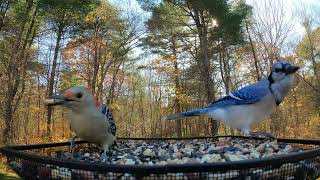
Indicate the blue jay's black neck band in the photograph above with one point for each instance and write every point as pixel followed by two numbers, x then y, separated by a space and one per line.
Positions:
pixel 271 81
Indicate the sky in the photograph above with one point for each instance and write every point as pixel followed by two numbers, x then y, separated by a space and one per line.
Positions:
pixel 289 5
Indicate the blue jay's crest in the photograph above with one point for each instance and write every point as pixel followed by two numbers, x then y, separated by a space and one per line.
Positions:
pixel 106 111
pixel 280 66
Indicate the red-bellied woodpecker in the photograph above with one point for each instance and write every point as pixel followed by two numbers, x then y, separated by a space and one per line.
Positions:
pixel 90 120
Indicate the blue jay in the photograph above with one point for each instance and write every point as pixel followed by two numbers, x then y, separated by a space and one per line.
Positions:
pixel 249 104
pixel 90 120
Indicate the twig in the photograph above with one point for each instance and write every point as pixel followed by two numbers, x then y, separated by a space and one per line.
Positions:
pixel 314 88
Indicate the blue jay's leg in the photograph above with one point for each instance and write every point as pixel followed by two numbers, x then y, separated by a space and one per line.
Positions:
pixel 246 131
pixel 72 140
pixel 265 135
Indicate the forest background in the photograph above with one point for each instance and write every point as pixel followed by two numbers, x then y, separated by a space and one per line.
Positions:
pixel 149 58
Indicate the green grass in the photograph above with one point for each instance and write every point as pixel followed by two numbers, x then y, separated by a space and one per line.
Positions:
pixel 6 174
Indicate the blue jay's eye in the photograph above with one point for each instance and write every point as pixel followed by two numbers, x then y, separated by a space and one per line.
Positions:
pixel 79 95
pixel 280 70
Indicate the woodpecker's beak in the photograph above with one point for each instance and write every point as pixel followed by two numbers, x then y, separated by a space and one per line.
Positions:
pixel 56 100
pixel 292 69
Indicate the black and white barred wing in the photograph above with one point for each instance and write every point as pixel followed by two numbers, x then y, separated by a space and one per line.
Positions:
pixel 106 111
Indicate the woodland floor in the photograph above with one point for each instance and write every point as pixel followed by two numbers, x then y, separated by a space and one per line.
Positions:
pixel 6 174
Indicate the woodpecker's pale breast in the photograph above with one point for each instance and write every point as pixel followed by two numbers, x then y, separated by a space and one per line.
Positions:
pixel 92 125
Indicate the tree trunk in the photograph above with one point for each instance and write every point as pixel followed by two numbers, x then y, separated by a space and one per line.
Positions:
pixel 177 104
pixel 26 120
pixel 4 7
pixel 205 65
pixel 315 65
pixel 113 84
pixel 254 54
pixel 95 61
pixel 52 77
pixel 141 112
pixel 7 132
pixel 38 105
pixel 13 79
pixel 225 70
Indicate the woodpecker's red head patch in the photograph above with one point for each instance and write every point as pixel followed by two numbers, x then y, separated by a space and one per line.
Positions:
pixel 68 94
pixel 96 101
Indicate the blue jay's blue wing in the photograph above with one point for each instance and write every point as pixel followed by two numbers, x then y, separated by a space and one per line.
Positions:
pixel 105 110
pixel 247 95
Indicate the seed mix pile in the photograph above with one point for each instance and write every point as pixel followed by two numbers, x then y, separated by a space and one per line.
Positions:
pixel 195 151
pixel 183 151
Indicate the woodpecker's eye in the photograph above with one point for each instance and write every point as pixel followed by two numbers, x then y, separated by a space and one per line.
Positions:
pixel 79 95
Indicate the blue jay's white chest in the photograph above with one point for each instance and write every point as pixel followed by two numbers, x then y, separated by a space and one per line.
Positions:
pixel 281 89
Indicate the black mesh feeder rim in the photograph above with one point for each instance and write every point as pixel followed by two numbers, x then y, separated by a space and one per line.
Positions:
pixel 296 165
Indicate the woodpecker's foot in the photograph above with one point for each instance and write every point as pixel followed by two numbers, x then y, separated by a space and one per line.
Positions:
pixel 72 142
pixel 265 135
pixel 71 149
pixel 114 144
pixel 104 157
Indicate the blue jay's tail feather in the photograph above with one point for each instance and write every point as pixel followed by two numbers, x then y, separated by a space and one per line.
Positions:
pixel 196 112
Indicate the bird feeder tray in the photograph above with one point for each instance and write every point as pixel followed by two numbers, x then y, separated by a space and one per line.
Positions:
pixel 38 162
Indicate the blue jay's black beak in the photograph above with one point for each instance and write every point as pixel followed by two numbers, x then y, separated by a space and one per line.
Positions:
pixel 56 100
pixel 292 69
